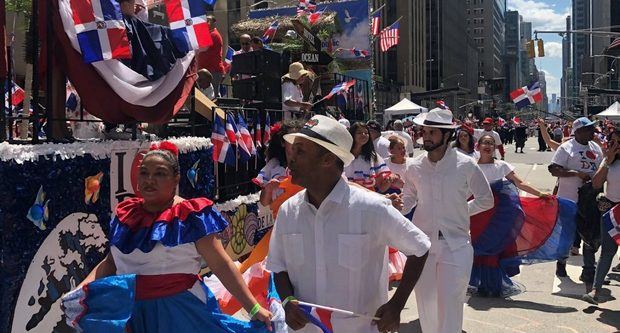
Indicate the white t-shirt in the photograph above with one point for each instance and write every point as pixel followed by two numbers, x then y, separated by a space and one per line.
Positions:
pixel 382 147
pixel 364 172
pixel 290 92
pixel 271 170
pixel 577 157
pixel 496 171
pixel 612 190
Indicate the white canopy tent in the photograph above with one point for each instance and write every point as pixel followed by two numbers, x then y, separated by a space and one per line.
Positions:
pixel 404 107
pixel 613 112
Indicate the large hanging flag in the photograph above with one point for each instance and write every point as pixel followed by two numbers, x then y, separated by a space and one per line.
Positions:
pixel 525 96
pixel 375 23
pixel 188 21
pixel 610 221
pixel 389 36
pixel 340 88
pixel 246 137
pixel 17 94
pixel 223 148
pixel 100 30
pixel 270 33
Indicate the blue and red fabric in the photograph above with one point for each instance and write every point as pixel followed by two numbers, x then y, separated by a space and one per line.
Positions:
pixel 524 96
pixel 610 223
pixel 188 22
pixel 100 30
pixel 267 131
pixel 135 228
pixel 270 33
pixel 246 136
pixel 234 136
pixel 319 317
pixel 375 28
pixel 223 149
pixel 340 88
pixel 114 305
pixel 518 231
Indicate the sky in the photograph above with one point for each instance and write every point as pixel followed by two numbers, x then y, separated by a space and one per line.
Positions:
pixel 546 15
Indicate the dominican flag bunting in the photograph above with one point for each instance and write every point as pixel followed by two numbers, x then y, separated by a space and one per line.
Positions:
pixel 319 317
pixel 340 88
pixel 100 30
pixel 234 136
pixel 375 23
pixel 614 44
pixel 246 137
pixel 610 221
pixel 389 36
pixel 525 96
pixel 17 94
pixel 223 148
pixel 359 53
pixel 441 104
pixel 230 52
pixel 188 22
pixel 267 131
pixel 314 17
pixel 270 33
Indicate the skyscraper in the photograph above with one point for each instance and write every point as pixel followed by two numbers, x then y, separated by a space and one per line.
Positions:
pixel 513 52
pixel 566 87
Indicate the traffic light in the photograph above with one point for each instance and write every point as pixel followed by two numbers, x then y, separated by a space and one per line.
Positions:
pixel 530 49
pixel 541 48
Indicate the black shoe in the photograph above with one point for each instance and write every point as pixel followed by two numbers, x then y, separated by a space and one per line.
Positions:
pixel 560 269
pixel 587 278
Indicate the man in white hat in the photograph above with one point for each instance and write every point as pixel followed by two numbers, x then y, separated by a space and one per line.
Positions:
pixel 329 243
pixel 292 97
pixel 441 180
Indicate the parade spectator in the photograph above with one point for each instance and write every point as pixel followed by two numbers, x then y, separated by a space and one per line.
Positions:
pixel 487 129
pixel 326 235
pixel 441 181
pixel 397 163
pixel 557 133
pixel 542 130
pixel 211 57
pixel 382 145
pixel 168 295
pixel 398 129
pixel 367 169
pixel 465 141
pixel 293 106
pixel 205 83
pixel 608 173
pixel 520 137
pixel 256 43
pixel 574 163
pixel 245 41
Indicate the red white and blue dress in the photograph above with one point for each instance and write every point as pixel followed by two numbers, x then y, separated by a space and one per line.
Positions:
pixel 157 288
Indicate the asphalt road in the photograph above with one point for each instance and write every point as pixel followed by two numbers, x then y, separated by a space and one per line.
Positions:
pixel 549 304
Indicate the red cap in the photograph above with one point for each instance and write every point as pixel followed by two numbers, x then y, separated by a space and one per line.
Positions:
pixel 487 121
pixel 467 128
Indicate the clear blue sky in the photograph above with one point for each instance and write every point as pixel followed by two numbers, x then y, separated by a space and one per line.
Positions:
pixel 546 15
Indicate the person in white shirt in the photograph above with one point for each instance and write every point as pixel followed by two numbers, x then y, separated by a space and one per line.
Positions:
pixel 574 163
pixel 382 145
pixel 487 129
pixel 608 172
pixel 465 142
pixel 204 83
pixel 367 169
pixel 293 105
pixel 399 130
pixel 329 242
pixel 441 180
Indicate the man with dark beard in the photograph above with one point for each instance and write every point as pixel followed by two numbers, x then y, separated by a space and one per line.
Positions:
pixel 441 180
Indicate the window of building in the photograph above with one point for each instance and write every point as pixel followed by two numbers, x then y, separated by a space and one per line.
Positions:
pixel 468 12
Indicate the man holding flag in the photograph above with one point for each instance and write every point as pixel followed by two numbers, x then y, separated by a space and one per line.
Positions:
pixel 329 242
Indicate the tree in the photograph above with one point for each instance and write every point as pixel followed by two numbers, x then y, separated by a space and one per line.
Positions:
pixel 19 6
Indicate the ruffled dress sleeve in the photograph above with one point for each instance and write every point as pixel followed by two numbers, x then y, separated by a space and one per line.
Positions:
pixel 132 227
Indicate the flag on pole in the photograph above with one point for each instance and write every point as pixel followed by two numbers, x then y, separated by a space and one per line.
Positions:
pixel 614 44
pixel 339 89
pixel 246 137
pixel 270 33
pixel 223 148
pixel 314 17
pixel 610 221
pixel 267 129
pixel 233 130
pixel 389 36
pixel 375 23
pixel 230 52
pixel 188 22
pixel 257 133
pixel 100 30
pixel 525 96
pixel 17 94
pixel 319 317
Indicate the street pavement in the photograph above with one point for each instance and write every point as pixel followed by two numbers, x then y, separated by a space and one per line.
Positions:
pixel 549 304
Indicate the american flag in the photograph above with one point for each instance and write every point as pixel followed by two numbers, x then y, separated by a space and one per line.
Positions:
pixel 374 24
pixel 614 44
pixel 389 36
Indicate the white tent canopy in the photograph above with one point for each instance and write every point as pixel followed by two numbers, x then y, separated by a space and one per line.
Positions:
pixel 613 111
pixel 404 107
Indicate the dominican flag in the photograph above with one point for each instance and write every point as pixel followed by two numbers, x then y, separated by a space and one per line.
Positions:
pixel 319 317
pixel 230 52
pixel 246 137
pixel 441 104
pixel 525 96
pixel 516 120
pixel 188 21
pixel 314 17
pixel 267 129
pixel 257 133
pixel 234 136
pixel 374 24
pixel 17 94
pixel 359 53
pixel 389 36
pixel 223 147
pixel 610 221
pixel 100 30
pixel 501 121
pixel 614 44
pixel 340 88
pixel 270 33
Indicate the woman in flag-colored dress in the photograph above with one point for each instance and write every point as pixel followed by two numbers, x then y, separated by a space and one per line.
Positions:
pixel 368 169
pixel 148 282
pixel 517 230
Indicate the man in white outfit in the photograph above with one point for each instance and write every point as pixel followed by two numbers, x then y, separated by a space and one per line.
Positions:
pixel 442 180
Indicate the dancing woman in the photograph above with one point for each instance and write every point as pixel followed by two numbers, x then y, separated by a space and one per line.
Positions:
pixel 368 169
pixel 148 282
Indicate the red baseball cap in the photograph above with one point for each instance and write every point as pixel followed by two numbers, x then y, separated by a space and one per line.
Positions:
pixel 487 121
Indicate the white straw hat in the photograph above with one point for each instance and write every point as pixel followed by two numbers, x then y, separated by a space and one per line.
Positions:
pixel 440 118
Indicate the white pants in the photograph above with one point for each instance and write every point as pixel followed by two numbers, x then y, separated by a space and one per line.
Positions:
pixel 442 287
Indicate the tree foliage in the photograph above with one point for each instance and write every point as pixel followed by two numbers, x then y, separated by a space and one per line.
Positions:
pixel 19 6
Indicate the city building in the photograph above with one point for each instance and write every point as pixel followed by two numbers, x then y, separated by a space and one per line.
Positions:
pixel 567 90
pixel 542 81
pixel 528 66
pixel 513 54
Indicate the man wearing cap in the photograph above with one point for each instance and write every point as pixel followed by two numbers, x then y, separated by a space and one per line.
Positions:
pixel 329 243
pixel 293 104
pixel 574 163
pixel 441 180
pixel 382 145
pixel 487 129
